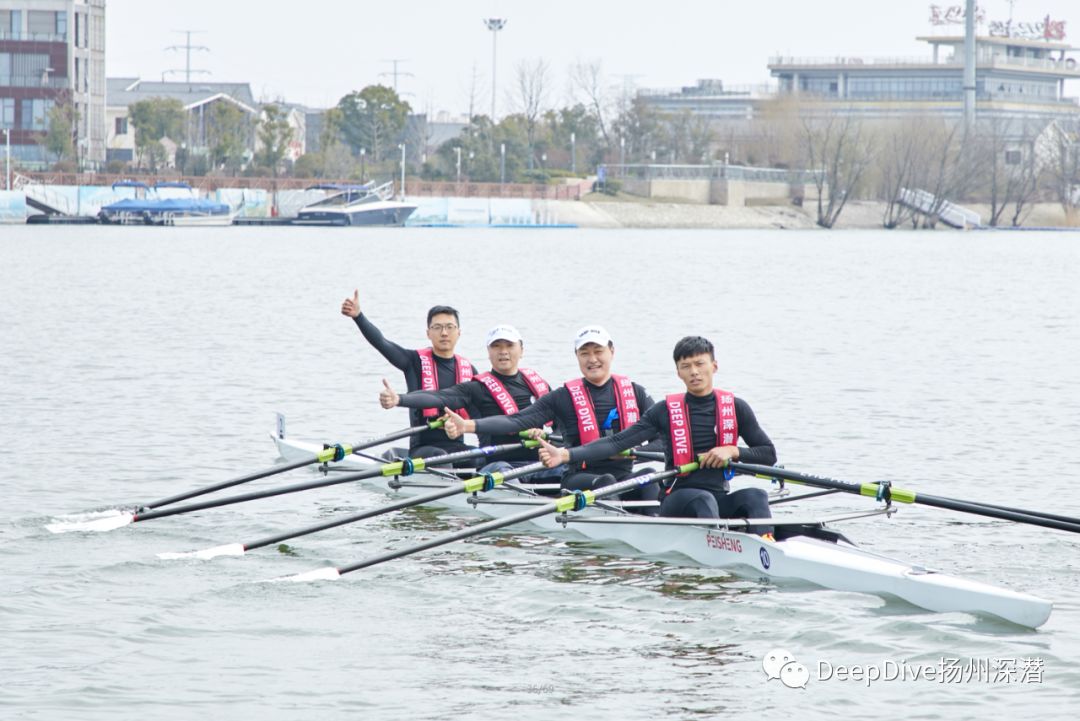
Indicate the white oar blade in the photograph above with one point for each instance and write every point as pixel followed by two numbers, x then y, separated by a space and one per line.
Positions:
pixel 97 525
pixel 319 574
pixel 229 549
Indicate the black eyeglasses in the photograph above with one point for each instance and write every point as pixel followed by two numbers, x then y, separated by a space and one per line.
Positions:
pixel 440 327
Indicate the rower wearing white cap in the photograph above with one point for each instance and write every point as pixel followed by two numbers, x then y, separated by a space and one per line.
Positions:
pixel 504 390
pixel 597 404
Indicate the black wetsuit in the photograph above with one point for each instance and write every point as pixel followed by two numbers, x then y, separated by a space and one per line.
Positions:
pixel 408 362
pixel 690 496
pixel 558 407
pixel 475 396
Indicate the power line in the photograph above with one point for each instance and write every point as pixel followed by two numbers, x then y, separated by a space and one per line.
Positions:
pixel 395 72
pixel 187 47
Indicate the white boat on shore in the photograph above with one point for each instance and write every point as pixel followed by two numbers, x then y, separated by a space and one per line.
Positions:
pixel 356 205
pixel 828 560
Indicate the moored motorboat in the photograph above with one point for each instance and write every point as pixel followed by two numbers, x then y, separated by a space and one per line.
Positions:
pixel 166 203
pixel 809 551
pixel 356 205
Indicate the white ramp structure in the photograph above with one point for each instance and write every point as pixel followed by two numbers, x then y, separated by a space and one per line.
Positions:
pixel 948 213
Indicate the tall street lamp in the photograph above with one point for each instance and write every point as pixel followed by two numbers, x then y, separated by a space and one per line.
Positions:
pixel 457 150
pixel 573 153
pixel 502 162
pixel 494 25
pixel 402 146
pixel 363 165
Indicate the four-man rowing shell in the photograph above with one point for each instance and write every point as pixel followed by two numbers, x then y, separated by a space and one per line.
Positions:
pixel 830 564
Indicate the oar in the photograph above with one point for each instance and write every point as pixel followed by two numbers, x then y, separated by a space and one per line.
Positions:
pixel 333 453
pixel 637 453
pixel 574 502
pixel 476 484
pixel 397 468
pixel 881 491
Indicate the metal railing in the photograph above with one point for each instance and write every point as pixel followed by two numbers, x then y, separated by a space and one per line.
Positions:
pixel 1067 66
pixel 423 188
pixel 33 81
pixel 645 171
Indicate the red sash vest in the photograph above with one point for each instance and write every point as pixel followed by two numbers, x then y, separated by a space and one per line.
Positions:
pixel 429 378
pixel 537 386
pixel 625 400
pixel 682 444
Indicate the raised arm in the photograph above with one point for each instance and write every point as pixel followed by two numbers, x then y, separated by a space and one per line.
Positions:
pixel 400 358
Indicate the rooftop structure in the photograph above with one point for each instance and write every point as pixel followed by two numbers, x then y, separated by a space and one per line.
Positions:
pixel 1015 77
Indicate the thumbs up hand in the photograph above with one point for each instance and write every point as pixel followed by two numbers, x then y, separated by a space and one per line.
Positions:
pixel 551 456
pixel 388 397
pixel 351 306
pixel 456 426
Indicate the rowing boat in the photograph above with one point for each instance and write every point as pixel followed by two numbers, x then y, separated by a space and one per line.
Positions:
pixel 835 564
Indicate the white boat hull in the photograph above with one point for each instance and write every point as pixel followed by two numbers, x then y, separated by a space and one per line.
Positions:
pixel 831 565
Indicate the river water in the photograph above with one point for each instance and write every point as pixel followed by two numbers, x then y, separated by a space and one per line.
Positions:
pixel 136 363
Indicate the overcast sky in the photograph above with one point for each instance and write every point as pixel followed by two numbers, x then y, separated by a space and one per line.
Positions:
pixel 316 51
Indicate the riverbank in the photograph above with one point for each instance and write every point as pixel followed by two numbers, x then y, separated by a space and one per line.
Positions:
pixel 599 211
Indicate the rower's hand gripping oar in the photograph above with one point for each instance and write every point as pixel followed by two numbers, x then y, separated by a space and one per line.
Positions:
pixel 885 491
pixel 404 467
pixel 332 453
pixel 476 484
pixel 573 502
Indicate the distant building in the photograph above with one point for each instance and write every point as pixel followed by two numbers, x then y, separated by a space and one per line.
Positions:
pixel 1015 77
pixel 709 98
pixel 197 99
pixel 52 52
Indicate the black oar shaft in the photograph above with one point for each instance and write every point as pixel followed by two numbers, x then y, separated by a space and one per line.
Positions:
pixel 559 505
pixel 287 466
pixel 467 532
pixel 907 496
pixel 388 469
pixel 455 489
pixel 344 521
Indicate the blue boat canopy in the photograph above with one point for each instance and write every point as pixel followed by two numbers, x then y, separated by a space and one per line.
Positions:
pixel 172 205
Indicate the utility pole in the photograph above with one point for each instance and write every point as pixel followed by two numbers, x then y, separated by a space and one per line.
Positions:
pixel 969 65
pixel 494 25
pixel 395 72
pixel 187 47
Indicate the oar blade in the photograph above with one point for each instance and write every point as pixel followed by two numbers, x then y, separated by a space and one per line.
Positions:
pixel 319 574
pixel 96 525
pixel 229 549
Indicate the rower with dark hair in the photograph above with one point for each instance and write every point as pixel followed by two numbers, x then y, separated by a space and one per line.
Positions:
pixel 703 423
pixel 584 409
pixel 503 391
pixel 427 369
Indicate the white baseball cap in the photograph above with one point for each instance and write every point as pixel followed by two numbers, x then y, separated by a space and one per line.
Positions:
pixel 591 334
pixel 503 332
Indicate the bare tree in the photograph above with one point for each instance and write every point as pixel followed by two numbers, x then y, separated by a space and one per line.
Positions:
pixel 903 155
pixel 838 152
pixel 531 99
pixel 1060 146
pixel 588 87
pixel 473 91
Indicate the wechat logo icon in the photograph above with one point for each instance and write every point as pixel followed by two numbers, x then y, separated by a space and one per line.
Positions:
pixel 781 664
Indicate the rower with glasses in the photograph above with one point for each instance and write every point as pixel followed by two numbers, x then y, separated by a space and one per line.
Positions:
pixel 427 369
pixel 503 391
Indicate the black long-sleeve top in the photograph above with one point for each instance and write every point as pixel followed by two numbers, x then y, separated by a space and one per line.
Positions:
pixel 408 362
pixel 655 423
pixel 558 407
pixel 475 396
